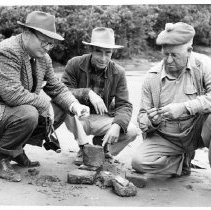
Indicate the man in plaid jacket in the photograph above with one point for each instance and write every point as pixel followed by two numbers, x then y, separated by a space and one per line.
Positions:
pixel 24 66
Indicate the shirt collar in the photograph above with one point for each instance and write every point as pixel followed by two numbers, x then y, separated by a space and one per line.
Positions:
pixel 164 74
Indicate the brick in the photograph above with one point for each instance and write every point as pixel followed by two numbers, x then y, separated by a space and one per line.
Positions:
pixel 78 176
pixel 123 187
pixel 104 179
pixel 93 155
pixel 139 180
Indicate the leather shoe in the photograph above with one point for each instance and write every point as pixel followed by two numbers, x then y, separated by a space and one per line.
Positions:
pixel 79 158
pixel 24 161
pixel 7 171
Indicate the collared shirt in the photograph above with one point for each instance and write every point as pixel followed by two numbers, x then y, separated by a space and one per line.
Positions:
pixel 177 90
pixel 97 81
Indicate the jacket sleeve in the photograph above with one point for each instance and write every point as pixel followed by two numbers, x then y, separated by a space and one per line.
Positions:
pixel 71 78
pixel 146 103
pixel 202 103
pixel 123 108
pixel 12 92
pixel 56 89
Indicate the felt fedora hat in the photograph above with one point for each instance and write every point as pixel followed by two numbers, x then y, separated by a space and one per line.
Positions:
pixel 42 22
pixel 103 37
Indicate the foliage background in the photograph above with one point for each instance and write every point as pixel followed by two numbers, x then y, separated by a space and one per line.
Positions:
pixel 136 26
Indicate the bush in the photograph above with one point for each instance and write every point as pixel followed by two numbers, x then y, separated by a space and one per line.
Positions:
pixel 136 26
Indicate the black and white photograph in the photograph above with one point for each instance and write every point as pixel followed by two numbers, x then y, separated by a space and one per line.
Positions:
pixel 105 104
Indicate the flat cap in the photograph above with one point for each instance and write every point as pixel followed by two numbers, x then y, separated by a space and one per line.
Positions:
pixel 176 34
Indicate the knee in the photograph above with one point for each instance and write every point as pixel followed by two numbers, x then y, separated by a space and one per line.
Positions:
pixel 30 115
pixel 137 163
pixel 132 132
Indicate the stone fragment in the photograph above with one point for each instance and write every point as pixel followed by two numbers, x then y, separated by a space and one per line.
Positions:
pixel 78 176
pixel 93 155
pixel 123 187
pixel 139 180
pixel 104 179
pixel 88 168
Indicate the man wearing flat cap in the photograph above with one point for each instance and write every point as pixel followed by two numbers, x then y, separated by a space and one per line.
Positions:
pixel 175 102
pixel 24 67
pixel 98 82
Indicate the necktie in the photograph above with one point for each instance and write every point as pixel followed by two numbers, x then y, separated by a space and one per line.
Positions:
pixel 33 67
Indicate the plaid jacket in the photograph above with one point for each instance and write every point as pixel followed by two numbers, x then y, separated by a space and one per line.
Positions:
pixel 77 78
pixel 16 79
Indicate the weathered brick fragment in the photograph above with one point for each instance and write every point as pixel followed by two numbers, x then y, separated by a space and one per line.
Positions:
pixel 123 187
pixel 78 176
pixel 93 155
pixel 139 180
pixel 104 179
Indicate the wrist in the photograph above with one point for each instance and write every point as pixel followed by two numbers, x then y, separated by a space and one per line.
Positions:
pixel 116 126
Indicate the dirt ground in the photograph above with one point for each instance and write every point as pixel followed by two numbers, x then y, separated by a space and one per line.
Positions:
pixel 47 185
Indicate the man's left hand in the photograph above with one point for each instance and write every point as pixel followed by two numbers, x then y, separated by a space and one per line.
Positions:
pixel 112 135
pixel 173 110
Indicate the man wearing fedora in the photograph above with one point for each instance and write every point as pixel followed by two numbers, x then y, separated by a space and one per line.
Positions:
pixel 175 106
pixel 98 82
pixel 24 66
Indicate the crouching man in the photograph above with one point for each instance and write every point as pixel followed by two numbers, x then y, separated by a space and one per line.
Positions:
pixel 175 106
pixel 98 82
pixel 24 66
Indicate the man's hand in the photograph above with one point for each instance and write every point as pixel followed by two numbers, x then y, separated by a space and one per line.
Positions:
pixel 173 110
pixel 79 109
pixel 112 135
pixel 154 116
pixel 97 102
pixel 51 113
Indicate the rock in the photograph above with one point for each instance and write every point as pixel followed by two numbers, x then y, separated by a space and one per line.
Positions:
pixel 46 180
pixel 104 179
pixel 139 180
pixel 33 171
pixel 123 187
pixel 114 168
pixel 78 176
pixel 93 155
pixel 89 168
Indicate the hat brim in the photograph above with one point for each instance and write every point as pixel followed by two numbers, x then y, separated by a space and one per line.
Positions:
pixel 103 45
pixel 43 31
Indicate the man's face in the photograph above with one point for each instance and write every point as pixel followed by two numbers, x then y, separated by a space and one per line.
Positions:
pixel 39 44
pixel 175 57
pixel 101 57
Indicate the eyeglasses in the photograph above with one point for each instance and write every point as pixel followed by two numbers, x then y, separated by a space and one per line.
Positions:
pixel 44 44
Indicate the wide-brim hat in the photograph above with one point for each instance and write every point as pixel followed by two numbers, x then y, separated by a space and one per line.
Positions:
pixel 103 37
pixel 42 22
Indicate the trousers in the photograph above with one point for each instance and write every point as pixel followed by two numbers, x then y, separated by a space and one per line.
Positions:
pixel 157 155
pixel 19 126
pixel 98 125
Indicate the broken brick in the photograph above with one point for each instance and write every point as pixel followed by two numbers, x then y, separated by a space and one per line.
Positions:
pixel 139 180
pixel 93 155
pixel 78 176
pixel 104 179
pixel 123 187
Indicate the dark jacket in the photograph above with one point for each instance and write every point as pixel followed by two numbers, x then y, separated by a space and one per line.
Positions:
pixel 77 78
